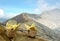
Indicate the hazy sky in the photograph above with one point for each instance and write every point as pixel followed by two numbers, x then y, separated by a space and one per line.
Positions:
pixel 10 8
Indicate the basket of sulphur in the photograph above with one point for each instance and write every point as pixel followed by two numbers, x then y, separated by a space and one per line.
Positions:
pixel 32 31
pixel 11 28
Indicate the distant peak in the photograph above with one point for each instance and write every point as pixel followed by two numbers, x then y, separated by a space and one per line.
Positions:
pixel 56 9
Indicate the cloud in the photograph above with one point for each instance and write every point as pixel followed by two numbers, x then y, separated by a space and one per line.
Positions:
pixel 44 5
pixel 1 13
pixel 7 16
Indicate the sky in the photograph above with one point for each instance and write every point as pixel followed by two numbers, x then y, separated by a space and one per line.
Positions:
pixel 11 8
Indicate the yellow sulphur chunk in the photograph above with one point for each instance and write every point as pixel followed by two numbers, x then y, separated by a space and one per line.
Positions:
pixel 28 27
pixel 12 24
pixel 8 26
pixel 33 25
pixel 15 26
